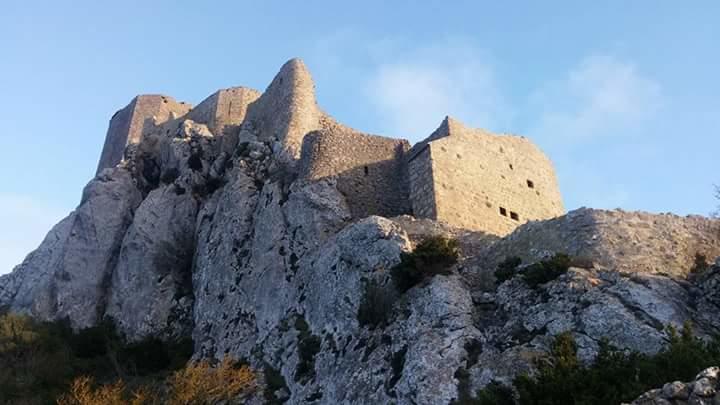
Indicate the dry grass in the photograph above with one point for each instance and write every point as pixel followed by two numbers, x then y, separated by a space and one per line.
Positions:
pixel 198 383
pixel 83 391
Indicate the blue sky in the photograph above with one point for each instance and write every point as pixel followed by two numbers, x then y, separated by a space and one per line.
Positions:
pixel 621 95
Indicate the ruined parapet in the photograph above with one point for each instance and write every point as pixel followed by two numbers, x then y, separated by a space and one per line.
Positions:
pixel 287 110
pixel 370 169
pixel 128 124
pixel 473 179
pixel 224 110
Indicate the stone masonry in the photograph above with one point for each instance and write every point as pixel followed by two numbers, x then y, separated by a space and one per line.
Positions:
pixel 477 180
pixel 128 125
pixel 468 178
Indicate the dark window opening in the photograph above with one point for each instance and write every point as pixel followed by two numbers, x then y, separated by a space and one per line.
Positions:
pixel 366 170
pixel 514 215
pixel 530 184
pixel 511 166
pixel 503 211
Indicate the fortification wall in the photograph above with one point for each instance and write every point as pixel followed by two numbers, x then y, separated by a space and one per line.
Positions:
pixel 225 110
pixel 287 110
pixel 129 124
pixel 422 189
pixel 370 169
pixel 488 182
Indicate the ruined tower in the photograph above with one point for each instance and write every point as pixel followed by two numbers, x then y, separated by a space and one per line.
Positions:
pixel 468 178
pixel 476 180
pixel 127 125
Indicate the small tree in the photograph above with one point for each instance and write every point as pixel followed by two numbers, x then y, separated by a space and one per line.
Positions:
pixel 434 255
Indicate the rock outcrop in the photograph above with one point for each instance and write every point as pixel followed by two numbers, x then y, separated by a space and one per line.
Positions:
pixel 205 230
pixel 704 389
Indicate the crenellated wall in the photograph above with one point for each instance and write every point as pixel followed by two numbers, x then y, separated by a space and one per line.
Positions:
pixel 370 169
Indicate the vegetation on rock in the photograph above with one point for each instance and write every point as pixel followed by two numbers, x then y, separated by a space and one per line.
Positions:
pixel 434 255
pixel 614 377
pixel 376 305
pixel 45 362
pixel 507 268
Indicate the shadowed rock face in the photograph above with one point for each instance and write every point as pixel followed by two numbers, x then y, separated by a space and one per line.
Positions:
pixel 208 229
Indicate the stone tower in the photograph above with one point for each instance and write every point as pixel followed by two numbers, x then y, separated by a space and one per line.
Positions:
pixel 476 180
pixel 127 125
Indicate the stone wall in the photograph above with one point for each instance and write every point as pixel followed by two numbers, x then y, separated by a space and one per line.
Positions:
pixel 287 110
pixel 488 182
pixel 422 189
pixel 370 170
pixel 225 110
pixel 128 124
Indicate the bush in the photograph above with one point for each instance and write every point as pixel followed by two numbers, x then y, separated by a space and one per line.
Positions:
pixel 308 346
pixel 84 391
pixel 616 376
pixel 507 269
pixel 40 360
pixel 434 255
pixel 200 383
pixel 494 394
pixel 196 383
pixel 375 306
pixel 546 270
pixel 700 265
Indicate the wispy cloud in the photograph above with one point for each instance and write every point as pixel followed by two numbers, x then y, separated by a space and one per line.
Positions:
pixel 414 90
pixel 603 96
pixel 25 223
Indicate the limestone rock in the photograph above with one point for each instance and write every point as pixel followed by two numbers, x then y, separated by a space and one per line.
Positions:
pixel 705 389
pixel 151 287
pixel 67 275
pixel 209 229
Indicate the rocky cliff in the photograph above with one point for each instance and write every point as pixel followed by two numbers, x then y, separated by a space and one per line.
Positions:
pixel 212 235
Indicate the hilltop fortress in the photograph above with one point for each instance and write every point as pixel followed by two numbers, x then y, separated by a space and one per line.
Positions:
pixel 245 224
pixel 468 178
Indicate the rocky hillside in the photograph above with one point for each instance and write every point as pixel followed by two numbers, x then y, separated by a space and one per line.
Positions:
pixel 212 236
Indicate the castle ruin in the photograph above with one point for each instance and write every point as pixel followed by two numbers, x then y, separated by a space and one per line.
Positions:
pixel 468 178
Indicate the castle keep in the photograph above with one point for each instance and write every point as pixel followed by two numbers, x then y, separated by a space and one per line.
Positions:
pixel 469 178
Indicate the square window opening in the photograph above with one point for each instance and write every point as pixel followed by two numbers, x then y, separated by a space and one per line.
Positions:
pixel 530 184
pixel 503 211
pixel 514 215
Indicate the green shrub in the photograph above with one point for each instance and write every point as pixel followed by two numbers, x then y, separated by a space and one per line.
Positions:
pixel 494 394
pixel 507 268
pixel 434 255
pixel 41 359
pixel 546 270
pixel 308 346
pixel 375 306
pixel 615 376
pixel 700 265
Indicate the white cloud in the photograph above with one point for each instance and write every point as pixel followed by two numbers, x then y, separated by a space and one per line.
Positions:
pixel 602 96
pixel 25 223
pixel 413 91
